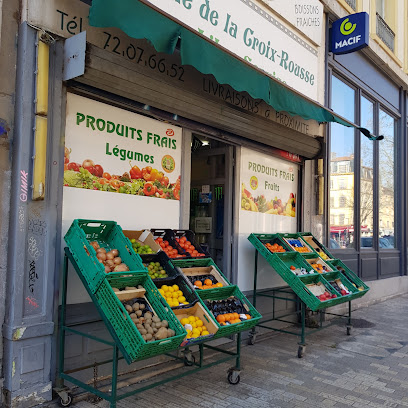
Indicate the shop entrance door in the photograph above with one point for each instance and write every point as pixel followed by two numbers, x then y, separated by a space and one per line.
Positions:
pixel 211 198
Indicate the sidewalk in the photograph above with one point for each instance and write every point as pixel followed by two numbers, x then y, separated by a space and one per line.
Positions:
pixel 367 369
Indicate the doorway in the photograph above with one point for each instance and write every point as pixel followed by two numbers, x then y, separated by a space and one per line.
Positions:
pixel 211 198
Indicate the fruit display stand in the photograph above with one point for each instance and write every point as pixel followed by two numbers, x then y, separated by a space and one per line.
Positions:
pixel 316 280
pixel 119 295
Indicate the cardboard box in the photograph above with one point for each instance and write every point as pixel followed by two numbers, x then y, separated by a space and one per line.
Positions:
pixel 205 270
pixel 199 311
pixel 320 262
pixel 144 237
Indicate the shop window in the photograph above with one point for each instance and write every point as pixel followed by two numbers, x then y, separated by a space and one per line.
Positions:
pixel 342 162
pixel 385 16
pixel 387 165
pixel 367 170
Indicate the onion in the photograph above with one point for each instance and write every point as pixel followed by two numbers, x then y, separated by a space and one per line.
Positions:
pixel 121 268
pixel 101 250
pixel 110 262
pixel 109 255
pixel 117 261
pixel 101 256
pixel 100 260
pixel 95 245
pixel 115 252
pixel 107 269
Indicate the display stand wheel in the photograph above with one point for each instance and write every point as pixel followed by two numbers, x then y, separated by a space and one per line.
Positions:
pixel 189 359
pixel 348 330
pixel 251 339
pixel 65 401
pixel 234 376
pixel 301 350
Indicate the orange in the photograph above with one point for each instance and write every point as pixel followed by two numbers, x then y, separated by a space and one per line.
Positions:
pixel 220 318
pixel 228 317
pixel 248 316
pixel 208 282
pixel 218 285
pixel 198 283
pixel 236 316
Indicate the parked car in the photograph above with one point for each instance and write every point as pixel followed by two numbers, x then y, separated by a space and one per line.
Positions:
pixel 367 242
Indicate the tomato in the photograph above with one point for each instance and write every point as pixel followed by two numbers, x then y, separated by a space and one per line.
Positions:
pixel 88 163
pixel 160 191
pixel 73 166
pixel 107 176
pixel 114 183
pixel 66 160
pixel 149 189
pixel 91 169
pixel 165 181
pixel 147 177
pixel 98 170
pixel 135 173
pixel 103 181
pixel 149 169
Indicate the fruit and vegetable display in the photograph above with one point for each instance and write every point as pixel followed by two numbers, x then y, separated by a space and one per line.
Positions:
pixel 141 249
pixel 321 292
pixel 173 295
pixel 275 247
pixel 156 271
pixel 204 282
pixel 341 269
pixel 194 326
pixel 326 296
pixel 150 326
pixel 273 206
pixel 168 249
pixel 110 259
pixel 298 271
pixel 148 182
pixel 228 311
pixel 319 268
pixel 297 245
pixel 339 287
pixel 189 247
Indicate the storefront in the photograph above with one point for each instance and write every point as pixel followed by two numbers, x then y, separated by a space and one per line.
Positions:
pixel 221 160
pixel 366 180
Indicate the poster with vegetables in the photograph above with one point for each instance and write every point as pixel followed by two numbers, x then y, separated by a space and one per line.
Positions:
pixel 115 151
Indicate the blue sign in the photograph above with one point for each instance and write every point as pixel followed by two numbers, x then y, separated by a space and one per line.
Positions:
pixel 349 34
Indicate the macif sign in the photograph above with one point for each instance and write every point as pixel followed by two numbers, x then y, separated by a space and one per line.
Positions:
pixel 349 34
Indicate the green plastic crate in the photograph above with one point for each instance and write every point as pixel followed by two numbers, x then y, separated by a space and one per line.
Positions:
pixel 331 276
pixel 311 301
pixel 349 274
pixel 282 262
pixel 130 338
pixel 194 263
pixel 308 257
pixel 315 243
pixel 109 235
pixel 298 237
pixel 224 293
pixel 259 241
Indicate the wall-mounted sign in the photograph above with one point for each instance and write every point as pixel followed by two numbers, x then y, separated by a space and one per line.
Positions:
pixel 349 34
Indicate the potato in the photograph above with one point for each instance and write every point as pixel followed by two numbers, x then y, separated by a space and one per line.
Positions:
pixel 138 313
pixel 129 288
pixel 148 321
pixel 159 324
pixel 128 308
pixel 150 330
pixel 140 287
pixel 148 336
pixel 142 306
pixel 143 331
pixel 155 329
pixel 148 315
pixel 140 326
pixel 133 316
pixel 161 334
pixel 156 319
pixel 136 306
pixel 144 337
pixel 165 323
pixel 170 333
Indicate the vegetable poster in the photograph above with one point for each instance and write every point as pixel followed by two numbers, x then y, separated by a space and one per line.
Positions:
pixel 114 151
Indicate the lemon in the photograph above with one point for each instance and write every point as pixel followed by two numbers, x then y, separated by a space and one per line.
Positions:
pixel 196 331
pixel 174 295
pixel 194 336
pixel 186 303
pixel 171 303
pixel 180 293
pixel 175 302
pixel 189 335
pixel 184 321
pixel 197 318
pixel 194 325
pixel 204 328
pixel 164 288
pixel 161 291
pixel 191 319
pixel 199 323
pixel 200 328
pixel 170 289
pixel 205 333
pixel 181 299
pixel 175 287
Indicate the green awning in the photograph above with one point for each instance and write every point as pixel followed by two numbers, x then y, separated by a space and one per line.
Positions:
pixel 140 21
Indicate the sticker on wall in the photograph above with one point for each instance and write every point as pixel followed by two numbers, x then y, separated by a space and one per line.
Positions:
pixel 115 151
